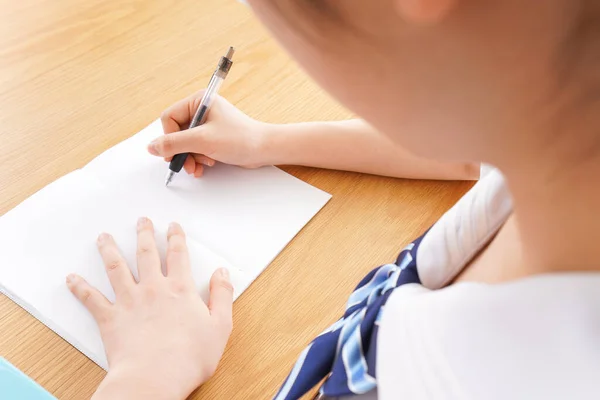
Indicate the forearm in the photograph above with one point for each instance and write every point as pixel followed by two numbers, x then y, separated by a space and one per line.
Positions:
pixel 353 146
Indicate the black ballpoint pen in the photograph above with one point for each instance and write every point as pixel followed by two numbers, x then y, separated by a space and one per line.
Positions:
pixel 211 91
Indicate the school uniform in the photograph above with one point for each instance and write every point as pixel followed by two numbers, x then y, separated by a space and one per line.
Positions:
pixel 406 334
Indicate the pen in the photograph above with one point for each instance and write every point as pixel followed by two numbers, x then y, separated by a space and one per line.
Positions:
pixel 200 116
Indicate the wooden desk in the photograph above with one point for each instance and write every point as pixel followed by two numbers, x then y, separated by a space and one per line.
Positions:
pixel 77 77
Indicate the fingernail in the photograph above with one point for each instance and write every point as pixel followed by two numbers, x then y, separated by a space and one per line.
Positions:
pixel 70 278
pixel 224 273
pixel 153 148
pixel 141 222
pixel 103 237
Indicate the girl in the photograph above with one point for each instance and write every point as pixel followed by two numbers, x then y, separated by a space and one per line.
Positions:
pixel 500 298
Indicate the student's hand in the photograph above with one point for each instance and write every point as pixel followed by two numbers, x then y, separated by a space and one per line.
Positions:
pixel 161 340
pixel 228 136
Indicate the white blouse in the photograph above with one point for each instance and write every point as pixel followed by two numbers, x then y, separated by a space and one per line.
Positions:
pixel 533 338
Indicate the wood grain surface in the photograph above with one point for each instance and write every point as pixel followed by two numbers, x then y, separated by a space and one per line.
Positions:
pixel 77 77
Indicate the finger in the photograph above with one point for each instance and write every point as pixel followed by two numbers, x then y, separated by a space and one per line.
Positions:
pixel 188 141
pixel 178 259
pixel 199 170
pixel 118 273
pixel 178 116
pixel 189 165
pixel 148 259
pixel 204 160
pixel 89 296
pixel 221 297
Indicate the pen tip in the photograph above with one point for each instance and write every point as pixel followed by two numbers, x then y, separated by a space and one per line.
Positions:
pixel 169 178
pixel 230 52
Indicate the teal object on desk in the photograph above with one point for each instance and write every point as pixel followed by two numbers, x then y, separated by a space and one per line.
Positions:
pixel 15 385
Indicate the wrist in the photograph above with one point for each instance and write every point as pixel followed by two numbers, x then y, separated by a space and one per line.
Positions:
pixel 268 142
pixel 133 384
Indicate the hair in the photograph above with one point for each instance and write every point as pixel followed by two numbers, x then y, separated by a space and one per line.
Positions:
pixel 318 21
pixel 578 56
pixel 306 16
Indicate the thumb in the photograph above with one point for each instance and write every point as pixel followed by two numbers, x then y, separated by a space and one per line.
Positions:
pixel 187 141
pixel 220 302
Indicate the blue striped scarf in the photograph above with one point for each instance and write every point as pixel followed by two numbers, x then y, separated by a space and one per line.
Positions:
pixel 345 352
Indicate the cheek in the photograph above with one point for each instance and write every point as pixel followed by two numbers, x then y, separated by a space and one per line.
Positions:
pixel 337 64
pixel 384 103
pixel 391 99
pixel 351 82
pixel 393 106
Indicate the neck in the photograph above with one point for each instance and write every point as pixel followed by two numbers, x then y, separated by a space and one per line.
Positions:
pixel 557 210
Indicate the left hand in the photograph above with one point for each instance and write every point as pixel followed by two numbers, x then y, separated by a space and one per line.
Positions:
pixel 161 340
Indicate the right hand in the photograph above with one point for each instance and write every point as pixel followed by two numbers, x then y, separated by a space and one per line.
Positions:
pixel 228 136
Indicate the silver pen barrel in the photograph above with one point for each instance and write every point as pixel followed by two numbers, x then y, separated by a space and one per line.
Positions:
pixel 199 117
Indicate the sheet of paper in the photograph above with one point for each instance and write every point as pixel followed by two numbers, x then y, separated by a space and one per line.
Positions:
pixel 236 218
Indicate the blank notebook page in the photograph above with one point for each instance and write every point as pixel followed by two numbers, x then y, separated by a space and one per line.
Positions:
pixel 233 217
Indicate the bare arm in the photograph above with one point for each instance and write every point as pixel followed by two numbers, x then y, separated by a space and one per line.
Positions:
pixel 353 146
pixel 231 137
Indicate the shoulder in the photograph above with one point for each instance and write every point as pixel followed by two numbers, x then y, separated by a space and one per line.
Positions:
pixel 534 338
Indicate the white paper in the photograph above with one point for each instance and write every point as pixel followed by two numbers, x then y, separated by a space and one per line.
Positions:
pixel 233 217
